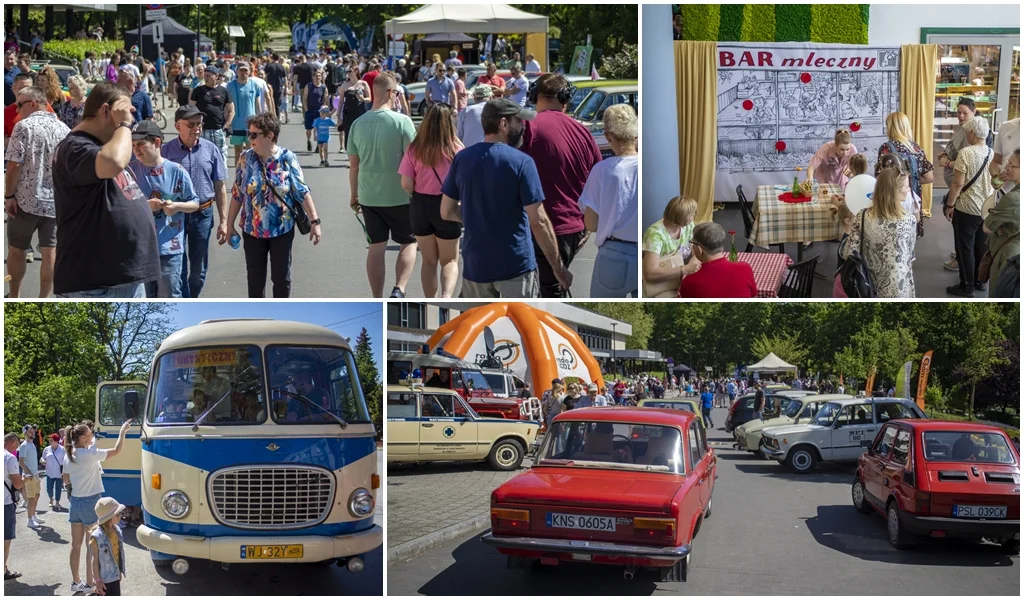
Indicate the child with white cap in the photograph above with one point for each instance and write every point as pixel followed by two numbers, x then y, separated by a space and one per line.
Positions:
pixel 107 544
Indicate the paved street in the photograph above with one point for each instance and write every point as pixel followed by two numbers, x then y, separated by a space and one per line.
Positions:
pixel 42 558
pixel 336 268
pixel 770 530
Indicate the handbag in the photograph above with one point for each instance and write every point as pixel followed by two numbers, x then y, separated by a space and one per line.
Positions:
pixel 298 213
pixel 665 289
pixel 985 266
pixel 854 274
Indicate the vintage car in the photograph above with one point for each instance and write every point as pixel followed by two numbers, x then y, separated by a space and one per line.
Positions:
pixel 742 409
pixel 426 424
pixel 688 404
pixel 840 432
pixel 618 486
pixel 802 408
pixel 590 111
pixel 942 479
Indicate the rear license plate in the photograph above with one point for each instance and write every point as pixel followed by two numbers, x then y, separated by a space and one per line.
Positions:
pixel 979 512
pixel 590 523
pixel 266 552
pixel 581 556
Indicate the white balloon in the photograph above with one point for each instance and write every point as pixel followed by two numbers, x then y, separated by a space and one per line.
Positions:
pixel 858 192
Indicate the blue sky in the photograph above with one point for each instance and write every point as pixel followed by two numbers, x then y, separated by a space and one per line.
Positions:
pixel 346 318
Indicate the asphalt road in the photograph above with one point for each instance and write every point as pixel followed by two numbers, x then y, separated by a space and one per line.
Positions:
pixel 336 268
pixel 42 557
pixel 771 531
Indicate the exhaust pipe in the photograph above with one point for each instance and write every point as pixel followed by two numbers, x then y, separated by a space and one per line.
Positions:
pixel 355 564
pixel 179 566
pixel 629 573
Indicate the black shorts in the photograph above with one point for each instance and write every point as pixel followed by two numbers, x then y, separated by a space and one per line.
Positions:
pixel 382 221
pixel 425 217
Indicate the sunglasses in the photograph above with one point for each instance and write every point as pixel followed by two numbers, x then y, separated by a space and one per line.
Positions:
pixel 252 135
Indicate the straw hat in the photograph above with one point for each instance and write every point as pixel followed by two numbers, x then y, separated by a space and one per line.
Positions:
pixel 107 509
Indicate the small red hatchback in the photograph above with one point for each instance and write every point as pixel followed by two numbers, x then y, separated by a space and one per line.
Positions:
pixel 938 479
pixel 618 486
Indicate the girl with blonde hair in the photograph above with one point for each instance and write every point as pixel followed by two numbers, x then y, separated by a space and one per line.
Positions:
pixel 830 164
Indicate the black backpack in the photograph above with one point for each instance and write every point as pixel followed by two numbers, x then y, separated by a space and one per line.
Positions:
pixel 854 274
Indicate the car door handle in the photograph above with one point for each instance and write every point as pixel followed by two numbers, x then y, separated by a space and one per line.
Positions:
pixel 426 425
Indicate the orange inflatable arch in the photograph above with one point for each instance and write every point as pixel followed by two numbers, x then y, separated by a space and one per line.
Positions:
pixel 527 319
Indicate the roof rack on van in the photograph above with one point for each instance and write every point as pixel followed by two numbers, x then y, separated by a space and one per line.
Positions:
pixel 230 320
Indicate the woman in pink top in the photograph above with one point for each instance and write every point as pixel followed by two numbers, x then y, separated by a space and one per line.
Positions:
pixel 423 170
pixel 830 164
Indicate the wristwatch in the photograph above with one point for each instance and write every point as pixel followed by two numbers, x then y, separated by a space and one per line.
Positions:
pixel 124 124
pixel 314 222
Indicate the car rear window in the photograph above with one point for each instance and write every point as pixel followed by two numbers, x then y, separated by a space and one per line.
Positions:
pixel 967 446
pixel 613 445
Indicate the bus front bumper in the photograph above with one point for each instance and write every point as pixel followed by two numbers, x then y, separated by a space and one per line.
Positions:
pixel 231 549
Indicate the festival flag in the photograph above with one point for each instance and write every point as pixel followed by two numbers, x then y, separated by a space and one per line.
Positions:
pixel 593 73
pixel 870 385
pixel 922 378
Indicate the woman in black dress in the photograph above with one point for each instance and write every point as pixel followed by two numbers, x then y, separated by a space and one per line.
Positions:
pixel 354 92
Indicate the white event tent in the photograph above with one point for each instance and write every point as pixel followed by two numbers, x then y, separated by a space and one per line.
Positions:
pixel 771 363
pixel 472 18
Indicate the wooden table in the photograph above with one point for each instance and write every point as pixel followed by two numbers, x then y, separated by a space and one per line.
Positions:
pixel 769 271
pixel 778 222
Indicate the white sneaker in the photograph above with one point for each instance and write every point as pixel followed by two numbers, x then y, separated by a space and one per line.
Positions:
pixel 38 520
pixel 79 587
pixel 32 523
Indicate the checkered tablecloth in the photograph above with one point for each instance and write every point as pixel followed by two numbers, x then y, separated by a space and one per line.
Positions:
pixel 778 222
pixel 769 270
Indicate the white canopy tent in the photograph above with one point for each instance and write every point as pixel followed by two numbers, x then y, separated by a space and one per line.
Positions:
pixel 471 18
pixel 771 363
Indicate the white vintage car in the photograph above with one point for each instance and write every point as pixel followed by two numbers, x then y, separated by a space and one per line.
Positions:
pixel 426 424
pixel 802 408
pixel 840 432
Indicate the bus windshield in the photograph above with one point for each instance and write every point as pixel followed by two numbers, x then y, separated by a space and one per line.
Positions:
pixel 314 385
pixel 226 382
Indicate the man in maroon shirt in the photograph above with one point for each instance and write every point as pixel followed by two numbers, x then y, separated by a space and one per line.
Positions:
pixel 717 277
pixel 565 152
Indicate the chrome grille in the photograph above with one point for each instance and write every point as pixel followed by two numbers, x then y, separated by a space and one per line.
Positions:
pixel 264 497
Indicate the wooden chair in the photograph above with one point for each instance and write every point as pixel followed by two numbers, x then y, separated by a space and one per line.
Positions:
pixel 799 279
pixel 746 209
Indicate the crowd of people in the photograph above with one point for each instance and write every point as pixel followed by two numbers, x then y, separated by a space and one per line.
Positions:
pixel 547 191
pixel 70 462
pixel 978 167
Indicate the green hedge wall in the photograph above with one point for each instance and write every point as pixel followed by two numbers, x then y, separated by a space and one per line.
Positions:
pixel 821 23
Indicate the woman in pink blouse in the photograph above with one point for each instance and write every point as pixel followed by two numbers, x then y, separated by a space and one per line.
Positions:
pixel 830 164
pixel 423 170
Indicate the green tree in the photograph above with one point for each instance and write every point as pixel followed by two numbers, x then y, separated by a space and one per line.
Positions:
pixel 979 347
pixel 369 378
pixel 611 26
pixel 130 332
pixel 627 312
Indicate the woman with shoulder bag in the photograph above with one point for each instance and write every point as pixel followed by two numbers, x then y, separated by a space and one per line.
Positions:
pixel 1003 223
pixel 273 199
pixel 885 234
pixel 424 169
pixel 965 111
pixel 971 186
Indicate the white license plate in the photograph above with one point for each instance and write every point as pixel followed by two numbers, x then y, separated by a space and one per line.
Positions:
pixel 581 556
pixel 979 512
pixel 588 522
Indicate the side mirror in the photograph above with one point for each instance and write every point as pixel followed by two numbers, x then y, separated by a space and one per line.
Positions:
pixel 131 405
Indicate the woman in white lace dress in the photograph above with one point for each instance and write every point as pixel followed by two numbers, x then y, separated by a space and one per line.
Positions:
pixel 889 234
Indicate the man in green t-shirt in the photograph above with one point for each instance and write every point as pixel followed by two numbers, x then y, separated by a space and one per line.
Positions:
pixel 376 143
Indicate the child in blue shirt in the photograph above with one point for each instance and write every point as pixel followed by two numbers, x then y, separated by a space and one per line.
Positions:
pixel 323 126
pixel 170 193
pixel 707 401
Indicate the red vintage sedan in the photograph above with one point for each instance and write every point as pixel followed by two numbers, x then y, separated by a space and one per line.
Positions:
pixel 619 486
pixel 939 479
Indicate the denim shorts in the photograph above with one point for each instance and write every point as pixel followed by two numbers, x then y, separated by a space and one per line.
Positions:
pixel 83 510
pixel 10 521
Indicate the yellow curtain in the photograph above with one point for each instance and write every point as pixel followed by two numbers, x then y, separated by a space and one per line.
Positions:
pixel 697 105
pixel 918 64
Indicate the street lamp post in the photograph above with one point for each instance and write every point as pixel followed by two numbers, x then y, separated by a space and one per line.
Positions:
pixel 614 362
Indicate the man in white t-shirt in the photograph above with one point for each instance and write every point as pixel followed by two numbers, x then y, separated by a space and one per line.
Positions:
pixel 1007 141
pixel 12 481
pixel 28 459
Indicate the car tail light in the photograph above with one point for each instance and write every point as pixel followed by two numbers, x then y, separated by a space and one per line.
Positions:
pixel 922 500
pixel 652 527
pixel 510 517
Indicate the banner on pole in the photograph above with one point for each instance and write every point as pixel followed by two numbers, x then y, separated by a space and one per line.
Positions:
pixel 922 378
pixel 870 385
pixel 299 36
pixel 779 102
pixel 581 58
pixel 350 37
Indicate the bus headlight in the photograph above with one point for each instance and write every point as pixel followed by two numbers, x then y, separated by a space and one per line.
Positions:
pixel 176 504
pixel 360 503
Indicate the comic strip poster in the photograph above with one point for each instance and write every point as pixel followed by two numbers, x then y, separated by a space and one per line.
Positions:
pixel 779 102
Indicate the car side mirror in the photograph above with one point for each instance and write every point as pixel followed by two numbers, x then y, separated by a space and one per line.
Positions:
pixel 131 405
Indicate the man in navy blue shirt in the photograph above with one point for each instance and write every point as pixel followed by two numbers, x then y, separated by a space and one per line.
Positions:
pixel 495 191
pixel 707 400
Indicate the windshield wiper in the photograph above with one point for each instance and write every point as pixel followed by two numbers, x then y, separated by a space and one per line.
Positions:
pixel 234 381
pixel 309 402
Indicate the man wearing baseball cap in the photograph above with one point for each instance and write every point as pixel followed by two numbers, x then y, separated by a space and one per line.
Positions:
pixel 168 187
pixel 468 128
pixel 245 95
pixel 501 210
